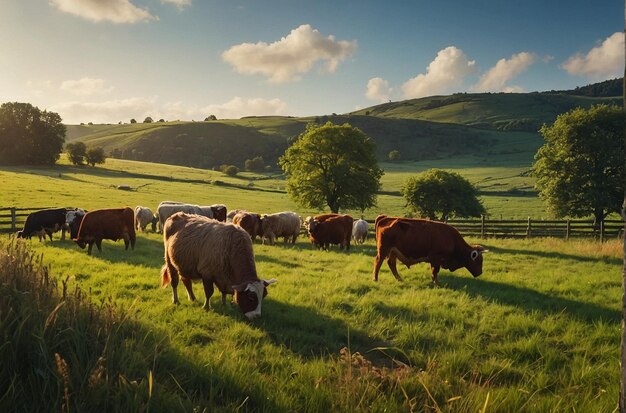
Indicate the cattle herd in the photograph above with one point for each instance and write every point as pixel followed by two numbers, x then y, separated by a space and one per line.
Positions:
pixel 206 243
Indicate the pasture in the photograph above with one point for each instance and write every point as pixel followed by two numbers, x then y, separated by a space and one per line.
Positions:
pixel 538 331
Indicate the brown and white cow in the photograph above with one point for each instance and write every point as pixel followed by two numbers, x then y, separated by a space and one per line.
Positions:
pixel 249 221
pixel 217 253
pixel 417 240
pixel 333 230
pixel 113 224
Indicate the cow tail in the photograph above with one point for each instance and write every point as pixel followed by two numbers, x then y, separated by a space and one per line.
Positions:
pixel 166 278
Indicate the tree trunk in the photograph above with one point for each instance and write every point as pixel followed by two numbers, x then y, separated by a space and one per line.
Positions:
pixel 622 389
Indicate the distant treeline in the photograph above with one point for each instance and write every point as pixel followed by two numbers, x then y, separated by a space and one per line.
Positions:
pixel 608 88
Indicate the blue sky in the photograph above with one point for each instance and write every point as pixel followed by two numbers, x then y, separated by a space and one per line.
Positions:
pixel 112 60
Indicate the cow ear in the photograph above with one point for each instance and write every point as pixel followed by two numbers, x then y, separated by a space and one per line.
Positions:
pixel 481 249
pixel 271 281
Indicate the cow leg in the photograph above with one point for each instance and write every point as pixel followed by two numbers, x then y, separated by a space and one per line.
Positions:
pixel 99 244
pixel 391 262
pixel 208 292
pixel 133 238
pixel 63 232
pixel 435 271
pixel 90 247
pixel 377 263
pixel 126 242
pixel 174 278
pixel 224 299
pixel 188 285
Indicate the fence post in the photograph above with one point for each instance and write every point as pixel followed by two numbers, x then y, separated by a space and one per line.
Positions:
pixel 568 228
pixel 528 229
pixel 602 231
pixel 13 222
pixel 482 225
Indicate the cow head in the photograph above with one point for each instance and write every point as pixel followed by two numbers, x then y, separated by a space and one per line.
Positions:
pixel 81 243
pixel 249 296
pixel 21 234
pixel 155 220
pixel 73 218
pixel 475 260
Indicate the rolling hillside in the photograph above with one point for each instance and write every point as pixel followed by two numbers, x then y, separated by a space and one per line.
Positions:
pixel 436 127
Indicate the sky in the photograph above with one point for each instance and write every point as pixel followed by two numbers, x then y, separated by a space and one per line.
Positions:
pixel 106 61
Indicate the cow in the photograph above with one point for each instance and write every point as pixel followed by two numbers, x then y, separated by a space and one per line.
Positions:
pixel 418 240
pixel 168 208
pixel 73 218
pixel 113 224
pixel 359 231
pixel 281 224
pixel 334 230
pixel 197 247
pixel 231 214
pixel 250 222
pixel 44 222
pixel 143 217
pixel 319 218
pixel 219 212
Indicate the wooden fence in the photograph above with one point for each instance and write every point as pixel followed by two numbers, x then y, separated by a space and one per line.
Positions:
pixel 12 219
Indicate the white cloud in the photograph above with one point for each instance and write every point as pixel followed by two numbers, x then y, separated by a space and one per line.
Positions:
pixel 85 86
pixel 378 89
pixel 285 60
pixel 113 111
pixel 513 89
pixel 605 60
pixel 116 11
pixel 239 107
pixel 443 74
pixel 181 4
pixel 496 78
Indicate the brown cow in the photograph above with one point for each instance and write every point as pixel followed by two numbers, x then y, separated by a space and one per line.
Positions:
pixel 219 212
pixel 113 224
pixel 198 247
pixel 417 240
pixel 249 221
pixel 334 230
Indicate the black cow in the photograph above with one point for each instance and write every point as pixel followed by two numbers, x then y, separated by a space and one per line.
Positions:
pixel 44 222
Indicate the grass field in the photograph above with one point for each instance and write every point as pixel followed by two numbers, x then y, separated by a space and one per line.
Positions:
pixel 537 332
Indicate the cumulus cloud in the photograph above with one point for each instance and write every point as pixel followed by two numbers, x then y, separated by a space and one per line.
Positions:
pixel 288 58
pixel 378 89
pixel 85 86
pixel 496 78
pixel 603 61
pixel 181 4
pixel 113 111
pixel 116 11
pixel 443 74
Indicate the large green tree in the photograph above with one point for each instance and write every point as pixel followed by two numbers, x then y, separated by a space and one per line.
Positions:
pixel 438 194
pixel 332 165
pixel 29 136
pixel 580 169
pixel 76 152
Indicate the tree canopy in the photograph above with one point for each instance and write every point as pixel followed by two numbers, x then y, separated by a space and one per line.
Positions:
pixel 332 165
pixel 580 169
pixel 29 135
pixel 438 194
pixel 76 152
pixel 95 156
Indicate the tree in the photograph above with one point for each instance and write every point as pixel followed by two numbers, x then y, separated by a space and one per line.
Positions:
pixel 580 169
pixel 437 193
pixel 95 156
pixel 255 164
pixel 133 120
pixel 332 165
pixel 210 117
pixel 394 155
pixel 29 135
pixel 148 119
pixel 230 170
pixel 76 152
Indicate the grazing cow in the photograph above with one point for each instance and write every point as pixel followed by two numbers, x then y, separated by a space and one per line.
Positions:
pixel 219 212
pixel 113 224
pixel 44 222
pixel 318 218
pixel 281 224
pixel 73 218
pixel 197 247
pixel 359 231
pixel 143 217
pixel 169 208
pixel 334 230
pixel 250 222
pixel 417 240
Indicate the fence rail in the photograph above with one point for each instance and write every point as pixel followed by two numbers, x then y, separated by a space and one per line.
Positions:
pixel 11 219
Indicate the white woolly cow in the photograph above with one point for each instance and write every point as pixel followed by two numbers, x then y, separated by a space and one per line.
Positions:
pixel 143 217
pixel 282 224
pixel 359 231
pixel 169 208
pixel 218 253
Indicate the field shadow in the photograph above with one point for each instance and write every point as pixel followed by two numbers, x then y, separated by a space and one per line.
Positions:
pixel 530 300
pixel 310 334
pixel 557 255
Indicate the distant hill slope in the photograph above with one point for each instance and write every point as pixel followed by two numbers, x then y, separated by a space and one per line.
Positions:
pixel 608 88
pixel 426 128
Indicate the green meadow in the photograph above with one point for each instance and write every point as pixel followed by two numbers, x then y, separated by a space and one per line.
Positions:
pixel 538 331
